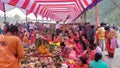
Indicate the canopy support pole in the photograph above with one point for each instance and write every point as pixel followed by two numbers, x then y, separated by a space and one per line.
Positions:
pixel 36 19
pixel 96 16
pixel 42 20
pixel 81 19
pixel 85 17
pixel 4 12
pixel 26 19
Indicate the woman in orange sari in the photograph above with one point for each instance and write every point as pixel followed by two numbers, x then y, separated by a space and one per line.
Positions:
pixel 110 33
pixel 14 45
pixel 25 39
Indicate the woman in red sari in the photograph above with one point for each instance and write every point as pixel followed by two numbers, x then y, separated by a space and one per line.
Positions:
pixel 89 54
pixel 81 63
pixel 110 33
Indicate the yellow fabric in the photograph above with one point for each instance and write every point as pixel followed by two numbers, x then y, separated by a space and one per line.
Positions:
pixel 50 42
pixel 58 43
pixel 101 34
pixel 71 61
pixel 112 34
pixel 43 50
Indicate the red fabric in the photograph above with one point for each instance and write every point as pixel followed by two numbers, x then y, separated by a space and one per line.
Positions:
pixel 13 2
pixel 78 49
pixel 54 0
pixel 25 4
pixel 35 15
pixel 81 4
pixel 84 66
pixel 109 49
pixel 43 14
pixel 32 39
pixel 38 9
pixel 1 6
pixel 92 55
pixel 27 12
pixel 33 6
pixel 46 13
pixel 43 11
pixel 57 39
pixel 87 4
pixel 69 4
pixel 34 32
pixel 93 0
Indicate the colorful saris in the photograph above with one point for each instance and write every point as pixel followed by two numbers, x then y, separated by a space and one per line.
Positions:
pixel 78 49
pixel 89 56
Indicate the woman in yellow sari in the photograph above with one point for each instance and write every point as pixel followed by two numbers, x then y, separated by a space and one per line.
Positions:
pixel 43 50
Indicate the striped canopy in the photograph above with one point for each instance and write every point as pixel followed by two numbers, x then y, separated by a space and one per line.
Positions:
pixel 58 10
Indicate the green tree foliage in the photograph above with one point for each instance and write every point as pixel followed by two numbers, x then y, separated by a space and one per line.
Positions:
pixel 108 12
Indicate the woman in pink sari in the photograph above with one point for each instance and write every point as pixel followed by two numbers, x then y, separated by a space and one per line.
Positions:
pixel 110 33
pixel 89 54
pixel 78 47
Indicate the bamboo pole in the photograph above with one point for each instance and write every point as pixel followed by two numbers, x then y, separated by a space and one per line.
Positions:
pixel 26 19
pixel 1 30
pixel 36 19
pixel 85 17
pixel 96 16
pixel 4 12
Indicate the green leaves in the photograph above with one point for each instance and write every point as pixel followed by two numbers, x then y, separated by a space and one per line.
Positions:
pixel 108 12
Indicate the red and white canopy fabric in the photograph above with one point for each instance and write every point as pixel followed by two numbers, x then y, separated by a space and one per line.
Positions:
pixel 1 6
pixel 29 5
pixel 55 9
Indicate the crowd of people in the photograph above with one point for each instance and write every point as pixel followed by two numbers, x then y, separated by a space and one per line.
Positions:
pixel 76 45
